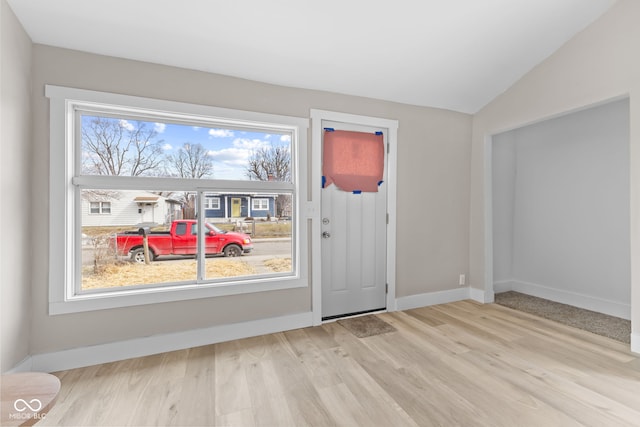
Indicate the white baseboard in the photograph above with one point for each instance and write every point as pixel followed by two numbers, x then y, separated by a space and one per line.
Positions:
pixel 121 350
pixel 588 302
pixel 24 366
pixel 480 295
pixel 440 297
pixel 503 286
pixel 635 343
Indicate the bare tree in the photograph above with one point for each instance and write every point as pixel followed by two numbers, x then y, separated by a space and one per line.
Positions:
pixel 118 147
pixel 270 164
pixel 99 195
pixel 191 161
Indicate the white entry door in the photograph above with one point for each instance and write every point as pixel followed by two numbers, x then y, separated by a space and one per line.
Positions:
pixel 146 213
pixel 354 244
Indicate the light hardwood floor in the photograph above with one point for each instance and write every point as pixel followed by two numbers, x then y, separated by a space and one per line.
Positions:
pixel 459 364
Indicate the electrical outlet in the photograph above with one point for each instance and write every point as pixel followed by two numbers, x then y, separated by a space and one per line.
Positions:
pixel 462 280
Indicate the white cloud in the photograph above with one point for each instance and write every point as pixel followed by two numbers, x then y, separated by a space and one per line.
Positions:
pixel 195 128
pixel 237 157
pixel 220 133
pixel 285 138
pixel 250 144
pixel 159 127
pixel 126 125
pixel 231 162
pixel 167 147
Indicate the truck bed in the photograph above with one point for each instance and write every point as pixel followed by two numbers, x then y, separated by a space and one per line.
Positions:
pixel 151 232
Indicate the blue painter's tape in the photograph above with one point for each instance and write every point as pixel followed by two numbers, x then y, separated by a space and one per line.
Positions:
pixel 329 129
pixel 357 191
pixel 378 133
pixel 324 181
pixel 380 183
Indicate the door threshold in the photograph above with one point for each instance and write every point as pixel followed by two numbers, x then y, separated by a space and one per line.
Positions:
pixel 355 314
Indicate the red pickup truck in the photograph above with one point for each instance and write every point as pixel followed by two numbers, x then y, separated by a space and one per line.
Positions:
pixel 181 239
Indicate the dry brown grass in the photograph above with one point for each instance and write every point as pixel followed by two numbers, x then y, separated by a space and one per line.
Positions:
pixel 95 231
pixel 129 274
pixel 263 229
pixel 278 265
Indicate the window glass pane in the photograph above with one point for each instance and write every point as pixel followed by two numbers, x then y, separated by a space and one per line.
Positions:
pixel 181 229
pixel 113 250
pixel 129 147
pixel 95 207
pixel 106 207
pixel 260 244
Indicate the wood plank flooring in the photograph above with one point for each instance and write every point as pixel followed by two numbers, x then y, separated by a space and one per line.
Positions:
pixel 459 364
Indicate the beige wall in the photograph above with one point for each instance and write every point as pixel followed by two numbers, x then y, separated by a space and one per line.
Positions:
pixel 433 193
pixel 601 63
pixel 433 200
pixel 15 151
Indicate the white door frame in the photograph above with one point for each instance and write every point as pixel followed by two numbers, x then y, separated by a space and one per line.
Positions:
pixel 317 116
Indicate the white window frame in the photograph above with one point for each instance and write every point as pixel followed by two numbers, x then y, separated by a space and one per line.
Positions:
pixel 259 208
pixel 65 213
pixel 208 203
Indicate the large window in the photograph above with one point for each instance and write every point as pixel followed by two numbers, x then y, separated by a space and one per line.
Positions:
pixel 153 166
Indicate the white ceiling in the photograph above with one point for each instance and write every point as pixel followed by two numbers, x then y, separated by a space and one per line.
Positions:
pixel 453 54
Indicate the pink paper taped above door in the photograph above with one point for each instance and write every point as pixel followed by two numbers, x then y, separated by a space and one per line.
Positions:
pixel 353 161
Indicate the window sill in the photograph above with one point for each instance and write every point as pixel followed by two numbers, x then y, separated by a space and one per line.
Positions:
pixel 135 297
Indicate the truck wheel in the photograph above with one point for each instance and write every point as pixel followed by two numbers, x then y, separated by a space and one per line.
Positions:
pixel 232 251
pixel 137 255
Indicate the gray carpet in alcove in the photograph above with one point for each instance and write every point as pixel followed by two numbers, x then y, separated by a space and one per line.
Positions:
pixel 598 323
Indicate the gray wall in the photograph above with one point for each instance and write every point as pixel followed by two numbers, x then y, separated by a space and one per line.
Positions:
pixel 15 213
pixel 599 64
pixel 561 208
pixel 433 178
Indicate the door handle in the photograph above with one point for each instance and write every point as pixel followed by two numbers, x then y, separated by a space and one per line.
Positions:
pixel 326 235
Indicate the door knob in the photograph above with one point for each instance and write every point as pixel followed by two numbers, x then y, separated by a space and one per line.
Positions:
pixel 326 235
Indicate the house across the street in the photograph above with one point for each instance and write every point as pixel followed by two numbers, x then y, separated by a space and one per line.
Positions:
pixel 106 208
pixel 127 207
pixel 236 206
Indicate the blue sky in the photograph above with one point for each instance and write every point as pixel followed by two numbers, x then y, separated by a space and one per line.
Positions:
pixel 230 149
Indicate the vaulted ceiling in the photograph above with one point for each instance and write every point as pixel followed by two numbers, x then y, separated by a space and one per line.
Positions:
pixel 452 54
